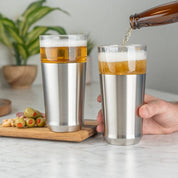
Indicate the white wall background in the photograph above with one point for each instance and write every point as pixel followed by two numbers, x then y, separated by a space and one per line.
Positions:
pixel 107 21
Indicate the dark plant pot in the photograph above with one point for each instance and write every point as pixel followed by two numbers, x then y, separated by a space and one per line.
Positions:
pixel 20 77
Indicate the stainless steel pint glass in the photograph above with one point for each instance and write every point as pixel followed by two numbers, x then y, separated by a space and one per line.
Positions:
pixel 122 80
pixel 63 61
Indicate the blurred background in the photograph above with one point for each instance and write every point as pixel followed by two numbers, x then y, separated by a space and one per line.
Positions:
pixel 107 22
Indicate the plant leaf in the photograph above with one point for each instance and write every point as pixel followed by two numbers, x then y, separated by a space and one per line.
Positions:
pixel 4 37
pixel 32 7
pixel 22 51
pixel 35 51
pixel 15 37
pixel 35 33
pixel 58 29
pixel 7 22
pixel 34 47
pixel 22 20
pixel 90 45
pixel 11 30
pixel 41 30
pixel 36 15
pixel 1 16
pixel 17 55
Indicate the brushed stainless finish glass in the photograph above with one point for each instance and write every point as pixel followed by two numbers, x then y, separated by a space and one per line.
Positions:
pixel 64 86
pixel 121 97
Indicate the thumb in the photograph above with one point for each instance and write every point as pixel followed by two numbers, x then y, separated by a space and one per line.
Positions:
pixel 99 99
pixel 152 108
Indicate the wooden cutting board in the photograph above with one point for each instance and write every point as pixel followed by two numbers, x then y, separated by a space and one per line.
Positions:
pixel 45 134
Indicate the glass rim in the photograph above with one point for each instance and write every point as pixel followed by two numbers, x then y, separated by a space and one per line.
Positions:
pixel 120 47
pixel 66 36
pixel 71 40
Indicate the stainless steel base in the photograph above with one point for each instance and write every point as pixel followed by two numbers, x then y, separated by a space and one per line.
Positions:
pixel 123 142
pixel 64 88
pixel 64 128
pixel 121 97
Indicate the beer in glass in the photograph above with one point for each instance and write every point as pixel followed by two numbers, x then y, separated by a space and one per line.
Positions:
pixel 63 61
pixel 122 77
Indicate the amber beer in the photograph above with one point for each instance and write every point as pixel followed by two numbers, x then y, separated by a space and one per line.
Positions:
pixel 63 51
pixel 122 62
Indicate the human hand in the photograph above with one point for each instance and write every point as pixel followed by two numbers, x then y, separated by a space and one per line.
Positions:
pixel 159 116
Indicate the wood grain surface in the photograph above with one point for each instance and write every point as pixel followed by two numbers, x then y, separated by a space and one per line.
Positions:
pixel 45 134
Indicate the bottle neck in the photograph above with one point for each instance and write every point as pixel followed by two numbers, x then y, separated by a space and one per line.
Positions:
pixel 134 21
pixel 160 15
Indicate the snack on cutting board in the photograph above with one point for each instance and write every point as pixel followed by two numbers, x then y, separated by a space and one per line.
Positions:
pixel 8 122
pixel 30 118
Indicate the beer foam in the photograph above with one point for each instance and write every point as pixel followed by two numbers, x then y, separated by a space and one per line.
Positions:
pixel 62 43
pixel 121 56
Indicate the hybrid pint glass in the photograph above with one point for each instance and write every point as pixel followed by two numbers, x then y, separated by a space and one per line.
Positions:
pixel 63 61
pixel 122 78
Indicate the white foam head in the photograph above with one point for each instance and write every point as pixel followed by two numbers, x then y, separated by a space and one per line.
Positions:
pixel 62 43
pixel 56 41
pixel 130 55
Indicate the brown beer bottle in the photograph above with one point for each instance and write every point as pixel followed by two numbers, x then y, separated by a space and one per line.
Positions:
pixel 160 15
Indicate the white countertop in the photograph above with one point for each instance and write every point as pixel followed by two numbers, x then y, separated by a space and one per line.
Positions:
pixel 154 156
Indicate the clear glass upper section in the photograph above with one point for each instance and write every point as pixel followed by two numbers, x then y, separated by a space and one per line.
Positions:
pixel 119 60
pixel 63 40
pixel 117 53
pixel 63 48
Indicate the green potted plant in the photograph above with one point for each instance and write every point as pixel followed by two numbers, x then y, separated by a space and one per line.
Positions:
pixel 23 42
